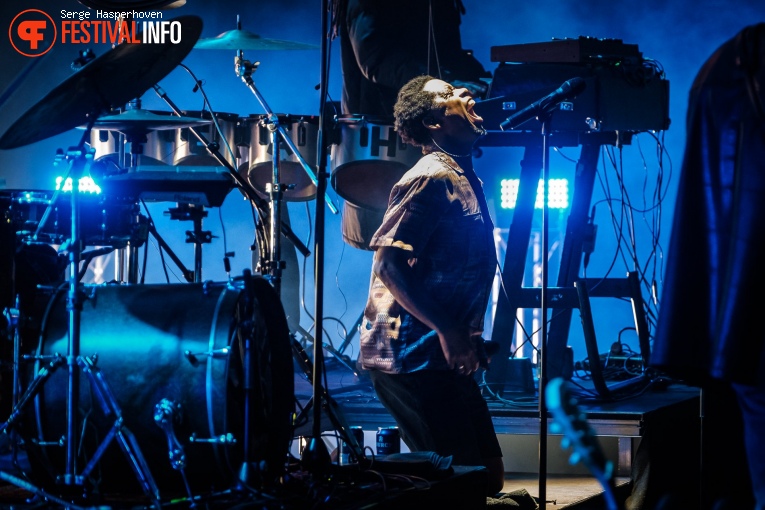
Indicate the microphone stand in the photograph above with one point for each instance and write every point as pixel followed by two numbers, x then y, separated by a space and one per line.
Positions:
pixel 544 116
pixel 543 111
pixel 315 456
pixel 545 119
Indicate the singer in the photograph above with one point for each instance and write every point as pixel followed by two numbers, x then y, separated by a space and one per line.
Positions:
pixel 432 272
pixel 569 90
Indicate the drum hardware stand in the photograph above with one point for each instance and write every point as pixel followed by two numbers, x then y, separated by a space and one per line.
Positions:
pixel 164 416
pixel 126 262
pixel 13 317
pixel 351 333
pixel 337 353
pixel 125 438
pixel 79 159
pixel 248 471
pixel 244 69
pixel 190 212
pixel 187 275
pixel 334 412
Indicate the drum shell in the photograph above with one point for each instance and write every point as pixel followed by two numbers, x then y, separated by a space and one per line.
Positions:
pixel 303 131
pixel 140 335
pixel 190 151
pixel 369 160
pixel 359 224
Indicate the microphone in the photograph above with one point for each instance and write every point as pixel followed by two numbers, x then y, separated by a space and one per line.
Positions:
pixel 570 89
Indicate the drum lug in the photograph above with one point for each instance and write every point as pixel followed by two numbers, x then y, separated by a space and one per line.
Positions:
pixel 214 354
pixel 222 439
pixel 270 187
pixel 61 442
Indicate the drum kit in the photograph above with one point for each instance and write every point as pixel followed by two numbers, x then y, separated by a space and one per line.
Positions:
pixel 215 370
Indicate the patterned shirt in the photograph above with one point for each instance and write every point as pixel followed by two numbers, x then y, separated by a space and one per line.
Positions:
pixel 438 212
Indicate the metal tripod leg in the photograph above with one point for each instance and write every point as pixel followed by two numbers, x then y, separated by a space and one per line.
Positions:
pixel 334 413
pixel 125 438
pixel 33 389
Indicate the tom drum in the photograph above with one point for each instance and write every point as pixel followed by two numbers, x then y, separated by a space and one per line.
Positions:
pixel 189 151
pixel 303 131
pixel 369 160
pixel 156 149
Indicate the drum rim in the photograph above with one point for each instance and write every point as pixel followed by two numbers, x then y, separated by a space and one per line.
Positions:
pixel 348 118
pixel 219 115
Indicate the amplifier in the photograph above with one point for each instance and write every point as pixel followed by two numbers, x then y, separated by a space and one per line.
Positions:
pixel 618 97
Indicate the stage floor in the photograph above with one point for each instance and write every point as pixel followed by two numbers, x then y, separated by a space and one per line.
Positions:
pixel 623 415
pixel 515 415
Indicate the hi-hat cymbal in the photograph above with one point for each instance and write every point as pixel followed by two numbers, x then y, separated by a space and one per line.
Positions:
pixel 109 81
pixel 145 120
pixel 243 40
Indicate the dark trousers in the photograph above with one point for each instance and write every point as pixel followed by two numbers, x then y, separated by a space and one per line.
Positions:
pixel 440 411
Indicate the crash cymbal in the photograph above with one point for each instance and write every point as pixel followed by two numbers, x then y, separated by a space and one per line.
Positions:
pixel 144 120
pixel 243 40
pixel 109 81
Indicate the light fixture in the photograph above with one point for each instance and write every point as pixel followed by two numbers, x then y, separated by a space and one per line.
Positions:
pixel 86 185
pixel 557 194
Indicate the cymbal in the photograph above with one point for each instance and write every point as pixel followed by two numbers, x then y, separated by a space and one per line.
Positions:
pixel 243 40
pixel 145 120
pixel 123 73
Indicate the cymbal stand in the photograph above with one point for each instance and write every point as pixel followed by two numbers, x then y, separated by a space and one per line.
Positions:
pixel 246 471
pixel 134 140
pixel 79 159
pixel 244 187
pixel 13 318
pixel 126 261
pixel 195 214
pixel 244 69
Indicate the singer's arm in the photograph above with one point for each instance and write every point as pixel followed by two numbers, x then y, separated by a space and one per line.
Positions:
pixel 391 265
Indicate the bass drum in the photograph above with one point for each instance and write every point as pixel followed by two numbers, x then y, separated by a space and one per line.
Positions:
pixel 369 160
pixel 180 343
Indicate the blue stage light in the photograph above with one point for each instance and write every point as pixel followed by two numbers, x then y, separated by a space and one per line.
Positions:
pixel 86 185
pixel 557 194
